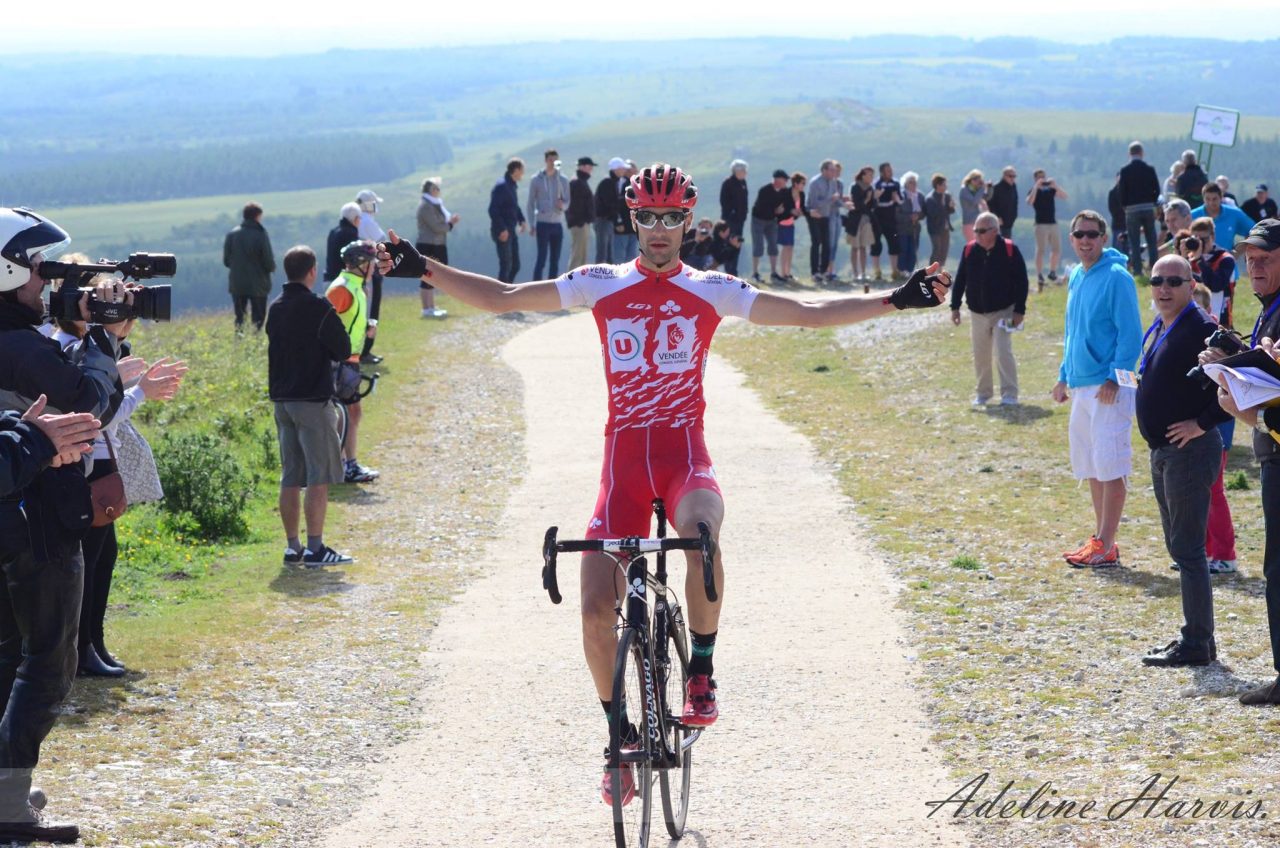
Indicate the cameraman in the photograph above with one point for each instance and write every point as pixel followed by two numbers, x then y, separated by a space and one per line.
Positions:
pixel 41 526
pixel 1263 262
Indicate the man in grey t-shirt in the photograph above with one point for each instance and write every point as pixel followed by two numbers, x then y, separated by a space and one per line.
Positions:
pixel 548 200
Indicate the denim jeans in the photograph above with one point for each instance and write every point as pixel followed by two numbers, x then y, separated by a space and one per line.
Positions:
pixel 550 237
pixel 908 244
pixel 39 621
pixel 508 256
pixel 1182 478
pixel 604 241
pixel 626 246
pixel 1271 552
pixel 819 245
pixel 1138 222
pixel 834 227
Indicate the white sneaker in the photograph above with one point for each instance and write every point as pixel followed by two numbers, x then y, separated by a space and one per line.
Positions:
pixel 426 313
pixel 1222 566
pixel 980 401
pixel 438 313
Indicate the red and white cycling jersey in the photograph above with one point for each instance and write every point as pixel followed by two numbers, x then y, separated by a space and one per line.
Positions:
pixel 655 333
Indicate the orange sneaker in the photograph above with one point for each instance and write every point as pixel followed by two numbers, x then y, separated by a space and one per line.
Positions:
pixel 1087 548
pixel 1097 558
pixel 700 708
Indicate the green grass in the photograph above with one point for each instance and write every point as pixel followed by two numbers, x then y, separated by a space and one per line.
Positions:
pixel 945 490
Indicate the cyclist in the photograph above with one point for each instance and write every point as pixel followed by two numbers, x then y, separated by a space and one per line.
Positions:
pixel 656 317
pixel 347 294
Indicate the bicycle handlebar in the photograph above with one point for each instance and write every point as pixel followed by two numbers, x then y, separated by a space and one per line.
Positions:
pixel 631 545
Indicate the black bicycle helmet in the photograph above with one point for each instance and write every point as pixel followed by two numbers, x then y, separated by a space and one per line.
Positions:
pixel 357 253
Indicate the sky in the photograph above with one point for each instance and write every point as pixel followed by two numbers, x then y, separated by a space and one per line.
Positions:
pixel 272 27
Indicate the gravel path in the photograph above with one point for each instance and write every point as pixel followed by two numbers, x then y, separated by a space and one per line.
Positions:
pixel 822 739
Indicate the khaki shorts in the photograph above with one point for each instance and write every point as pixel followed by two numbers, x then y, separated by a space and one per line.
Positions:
pixel 865 237
pixel 310 454
pixel 1048 238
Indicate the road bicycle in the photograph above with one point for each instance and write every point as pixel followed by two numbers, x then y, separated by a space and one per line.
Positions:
pixel 651 670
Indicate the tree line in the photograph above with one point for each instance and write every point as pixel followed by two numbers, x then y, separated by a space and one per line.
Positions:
pixel 245 168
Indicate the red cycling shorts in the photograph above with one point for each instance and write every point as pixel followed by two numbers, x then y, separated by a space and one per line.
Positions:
pixel 643 463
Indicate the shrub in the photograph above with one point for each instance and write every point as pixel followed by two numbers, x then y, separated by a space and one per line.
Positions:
pixel 1238 482
pixel 205 487
pixel 965 562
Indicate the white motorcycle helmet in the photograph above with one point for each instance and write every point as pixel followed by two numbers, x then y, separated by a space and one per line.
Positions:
pixel 24 238
pixel 368 201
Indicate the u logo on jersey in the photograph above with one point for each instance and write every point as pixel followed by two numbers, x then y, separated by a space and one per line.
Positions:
pixel 625 341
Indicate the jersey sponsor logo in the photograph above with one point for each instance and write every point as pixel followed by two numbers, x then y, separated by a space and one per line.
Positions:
pixel 669 308
pixel 676 339
pixel 626 344
pixel 596 523
pixel 599 272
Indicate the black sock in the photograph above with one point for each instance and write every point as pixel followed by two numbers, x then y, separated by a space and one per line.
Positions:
pixel 703 647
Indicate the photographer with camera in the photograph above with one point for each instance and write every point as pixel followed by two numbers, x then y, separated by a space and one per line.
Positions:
pixel 1212 266
pixel 42 525
pixel 1263 261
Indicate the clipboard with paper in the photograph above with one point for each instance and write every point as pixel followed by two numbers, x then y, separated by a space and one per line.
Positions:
pixel 1252 378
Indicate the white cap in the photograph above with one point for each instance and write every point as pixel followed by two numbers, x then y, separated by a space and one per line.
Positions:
pixel 368 200
pixel 617 162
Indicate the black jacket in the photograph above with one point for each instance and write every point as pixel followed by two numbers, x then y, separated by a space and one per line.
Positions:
pixel 991 280
pixel 606 198
pixel 1165 394
pixel 1139 184
pixel 1258 211
pixel 24 452
pixel 1116 208
pixel 582 207
pixel 735 197
pixel 304 338
pixel 1003 202
pixel 1190 183
pixel 1265 448
pixel 768 199
pixel 339 237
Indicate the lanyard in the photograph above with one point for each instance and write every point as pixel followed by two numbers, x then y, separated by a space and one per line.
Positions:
pixel 1262 319
pixel 1160 339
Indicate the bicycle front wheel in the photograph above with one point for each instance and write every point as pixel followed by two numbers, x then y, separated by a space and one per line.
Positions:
pixel 675 781
pixel 630 765
pixel 341 419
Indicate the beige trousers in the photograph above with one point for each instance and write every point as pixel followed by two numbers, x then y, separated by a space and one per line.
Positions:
pixel 578 246
pixel 986 335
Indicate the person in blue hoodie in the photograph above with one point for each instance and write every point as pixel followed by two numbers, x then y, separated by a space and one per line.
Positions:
pixel 1101 341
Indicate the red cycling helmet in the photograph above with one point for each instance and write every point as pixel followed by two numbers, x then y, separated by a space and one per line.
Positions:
pixel 662 185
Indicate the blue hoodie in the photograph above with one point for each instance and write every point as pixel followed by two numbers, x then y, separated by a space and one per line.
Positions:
pixel 1103 329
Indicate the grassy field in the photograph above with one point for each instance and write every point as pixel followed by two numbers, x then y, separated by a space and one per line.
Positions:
pixel 1033 667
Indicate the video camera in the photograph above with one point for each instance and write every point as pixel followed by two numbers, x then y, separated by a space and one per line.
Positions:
pixel 1227 341
pixel 150 302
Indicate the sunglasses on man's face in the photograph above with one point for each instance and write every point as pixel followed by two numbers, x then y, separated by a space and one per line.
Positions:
pixel 670 220
pixel 982 231
pixel 1171 282
pixel 1086 234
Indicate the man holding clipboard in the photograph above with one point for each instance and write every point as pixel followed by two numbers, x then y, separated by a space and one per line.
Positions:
pixel 1263 262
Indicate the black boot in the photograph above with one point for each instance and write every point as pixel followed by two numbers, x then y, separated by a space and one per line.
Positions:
pixel 105 655
pixel 36 826
pixel 91 665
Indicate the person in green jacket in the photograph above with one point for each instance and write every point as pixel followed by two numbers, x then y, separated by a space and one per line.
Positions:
pixel 246 252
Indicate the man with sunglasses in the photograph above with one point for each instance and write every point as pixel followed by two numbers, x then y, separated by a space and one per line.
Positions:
pixel 1178 417
pixel 1263 261
pixel 1102 337
pixel 656 317
pixel 992 279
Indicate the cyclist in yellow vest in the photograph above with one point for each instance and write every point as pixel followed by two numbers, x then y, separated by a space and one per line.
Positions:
pixel 348 296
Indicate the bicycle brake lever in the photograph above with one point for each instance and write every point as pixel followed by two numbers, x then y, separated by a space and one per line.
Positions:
pixel 549 565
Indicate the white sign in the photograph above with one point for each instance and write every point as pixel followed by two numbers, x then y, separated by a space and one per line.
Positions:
pixel 1213 125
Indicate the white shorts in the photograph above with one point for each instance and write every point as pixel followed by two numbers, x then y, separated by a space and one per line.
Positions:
pixel 1101 447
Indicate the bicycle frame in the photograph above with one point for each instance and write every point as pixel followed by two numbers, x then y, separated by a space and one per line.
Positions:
pixel 651 623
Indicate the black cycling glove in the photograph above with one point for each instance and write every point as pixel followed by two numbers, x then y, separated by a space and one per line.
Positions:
pixel 916 292
pixel 406 261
